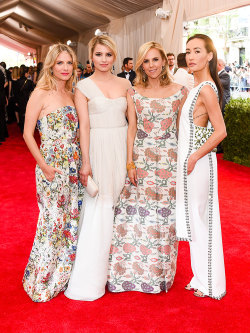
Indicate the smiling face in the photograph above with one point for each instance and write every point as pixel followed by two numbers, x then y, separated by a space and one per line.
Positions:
pixel 197 57
pixel 103 58
pixel 63 67
pixel 153 63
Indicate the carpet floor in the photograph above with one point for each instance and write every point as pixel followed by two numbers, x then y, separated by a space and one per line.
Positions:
pixel 129 312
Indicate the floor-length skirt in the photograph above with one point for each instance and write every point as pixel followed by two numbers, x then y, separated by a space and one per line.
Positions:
pixel 206 249
pixel 108 162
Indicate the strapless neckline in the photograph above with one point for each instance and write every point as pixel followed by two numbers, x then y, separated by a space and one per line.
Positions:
pixel 57 110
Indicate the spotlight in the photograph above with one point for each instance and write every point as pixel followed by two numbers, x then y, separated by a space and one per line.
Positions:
pixel 68 42
pixel 162 14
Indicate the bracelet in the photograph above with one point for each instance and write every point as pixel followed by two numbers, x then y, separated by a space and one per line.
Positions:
pixel 130 166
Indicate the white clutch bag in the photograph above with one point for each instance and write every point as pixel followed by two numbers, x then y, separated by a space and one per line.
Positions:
pixel 91 188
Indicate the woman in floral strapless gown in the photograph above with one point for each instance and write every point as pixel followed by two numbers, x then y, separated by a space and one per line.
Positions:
pixel 52 108
pixel 144 246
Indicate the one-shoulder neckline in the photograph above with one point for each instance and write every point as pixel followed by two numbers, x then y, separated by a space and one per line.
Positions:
pixel 56 110
pixel 111 99
pixel 136 92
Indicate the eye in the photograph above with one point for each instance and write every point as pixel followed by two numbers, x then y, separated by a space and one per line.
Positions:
pixel 109 54
pixel 145 61
pixel 59 62
pixel 98 54
pixel 197 51
pixel 187 52
pixel 70 62
pixel 155 59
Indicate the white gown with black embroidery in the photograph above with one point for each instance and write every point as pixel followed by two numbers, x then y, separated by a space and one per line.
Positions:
pixel 197 205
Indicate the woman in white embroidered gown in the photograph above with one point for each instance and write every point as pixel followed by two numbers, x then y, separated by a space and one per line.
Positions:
pixel 201 129
pixel 101 105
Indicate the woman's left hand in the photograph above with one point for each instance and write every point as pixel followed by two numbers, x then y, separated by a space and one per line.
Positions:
pixel 191 163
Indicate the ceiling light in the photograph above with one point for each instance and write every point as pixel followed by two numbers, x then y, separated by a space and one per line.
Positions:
pixel 162 14
pixel 68 42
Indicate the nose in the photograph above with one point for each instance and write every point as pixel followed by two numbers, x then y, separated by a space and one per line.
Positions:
pixel 65 65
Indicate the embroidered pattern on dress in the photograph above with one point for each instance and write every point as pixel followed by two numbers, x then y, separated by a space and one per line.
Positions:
pixel 200 137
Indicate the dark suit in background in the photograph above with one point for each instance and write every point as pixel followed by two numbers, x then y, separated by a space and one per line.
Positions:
pixel 225 82
pixel 3 126
pixel 131 78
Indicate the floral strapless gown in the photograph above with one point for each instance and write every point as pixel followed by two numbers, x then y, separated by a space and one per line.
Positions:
pixel 53 252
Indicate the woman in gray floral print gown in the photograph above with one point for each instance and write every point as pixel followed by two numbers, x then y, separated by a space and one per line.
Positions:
pixel 144 247
pixel 51 107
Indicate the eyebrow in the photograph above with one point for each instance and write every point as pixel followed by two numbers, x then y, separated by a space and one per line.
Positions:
pixel 196 48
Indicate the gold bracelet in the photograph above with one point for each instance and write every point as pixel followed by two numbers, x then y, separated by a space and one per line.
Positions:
pixel 130 166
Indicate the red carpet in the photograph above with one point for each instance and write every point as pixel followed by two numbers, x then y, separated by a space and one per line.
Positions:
pixel 130 312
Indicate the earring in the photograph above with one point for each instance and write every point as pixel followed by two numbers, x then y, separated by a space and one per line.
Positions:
pixel 51 72
pixel 163 68
pixel 144 77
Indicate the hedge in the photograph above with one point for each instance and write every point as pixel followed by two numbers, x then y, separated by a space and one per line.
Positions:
pixel 237 120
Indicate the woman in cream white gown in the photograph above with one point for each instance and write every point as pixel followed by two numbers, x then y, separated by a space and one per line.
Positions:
pixel 101 104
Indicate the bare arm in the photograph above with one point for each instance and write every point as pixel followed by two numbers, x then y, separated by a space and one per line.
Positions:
pixel 81 104
pixel 132 128
pixel 33 110
pixel 183 100
pixel 209 99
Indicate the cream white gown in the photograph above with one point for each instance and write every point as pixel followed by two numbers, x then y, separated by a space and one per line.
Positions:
pixel 108 134
pixel 197 205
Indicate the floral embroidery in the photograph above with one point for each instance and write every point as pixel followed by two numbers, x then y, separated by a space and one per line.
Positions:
pixel 144 247
pixel 59 201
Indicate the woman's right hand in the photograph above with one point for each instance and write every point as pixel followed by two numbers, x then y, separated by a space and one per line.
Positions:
pixel 132 175
pixel 84 172
pixel 50 172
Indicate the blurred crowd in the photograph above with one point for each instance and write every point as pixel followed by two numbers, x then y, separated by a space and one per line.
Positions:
pixel 16 85
pixel 239 76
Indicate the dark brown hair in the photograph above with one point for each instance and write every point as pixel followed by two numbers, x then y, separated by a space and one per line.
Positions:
pixel 181 60
pixel 209 45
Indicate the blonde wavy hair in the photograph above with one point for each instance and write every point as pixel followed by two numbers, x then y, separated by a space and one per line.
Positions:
pixel 141 77
pixel 46 79
pixel 102 40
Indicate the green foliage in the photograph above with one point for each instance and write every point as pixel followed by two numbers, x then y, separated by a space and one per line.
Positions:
pixel 237 119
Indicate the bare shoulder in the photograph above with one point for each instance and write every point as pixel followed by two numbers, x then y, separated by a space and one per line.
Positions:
pixel 175 86
pixel 208 92
pixel 39 96
pixel 123 82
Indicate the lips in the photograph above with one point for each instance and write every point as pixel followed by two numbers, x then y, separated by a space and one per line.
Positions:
pixel 192 64
pixel 65 73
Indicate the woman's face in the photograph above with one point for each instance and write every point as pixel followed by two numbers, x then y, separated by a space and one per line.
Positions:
pixel 103 58
pixel 79 72
pixel 63 67
pixel 197 57
pixel 153 63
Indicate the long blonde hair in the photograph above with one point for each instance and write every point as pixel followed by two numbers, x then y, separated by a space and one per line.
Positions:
pixel 141 77
pixel 15 73
pixel 102 40
pixel 46 79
